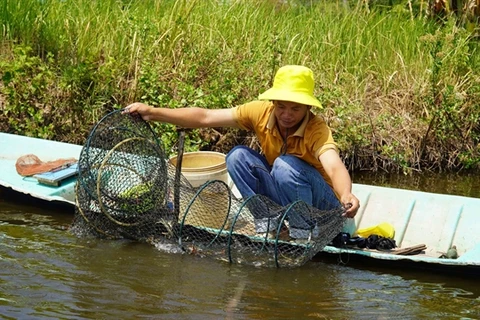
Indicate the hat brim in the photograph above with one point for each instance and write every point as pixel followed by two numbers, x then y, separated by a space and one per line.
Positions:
pixel 283 95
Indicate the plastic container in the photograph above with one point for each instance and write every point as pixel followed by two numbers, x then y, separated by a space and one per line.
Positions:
pixel 198 168
pixel 201 166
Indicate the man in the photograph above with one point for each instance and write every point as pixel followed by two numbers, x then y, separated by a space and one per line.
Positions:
pixel 300 159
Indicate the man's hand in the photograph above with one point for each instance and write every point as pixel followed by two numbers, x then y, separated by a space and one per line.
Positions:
pixel 351 205
pixel 145 111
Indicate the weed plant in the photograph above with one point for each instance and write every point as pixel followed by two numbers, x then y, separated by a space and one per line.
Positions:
pixel 399 89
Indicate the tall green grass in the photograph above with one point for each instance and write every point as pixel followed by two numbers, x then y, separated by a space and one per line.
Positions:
pixel 399 92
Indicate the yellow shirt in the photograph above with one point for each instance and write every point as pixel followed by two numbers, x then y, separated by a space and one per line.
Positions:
pixel 312 138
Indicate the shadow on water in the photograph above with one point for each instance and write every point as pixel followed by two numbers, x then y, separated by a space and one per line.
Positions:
pixel 14 198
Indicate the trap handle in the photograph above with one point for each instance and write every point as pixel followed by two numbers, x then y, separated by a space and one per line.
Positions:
pixel 176 185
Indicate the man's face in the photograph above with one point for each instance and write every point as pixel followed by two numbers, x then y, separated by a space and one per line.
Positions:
pixel 289 114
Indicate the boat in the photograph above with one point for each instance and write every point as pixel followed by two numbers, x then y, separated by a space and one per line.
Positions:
pixel 430 222
pixel 60 190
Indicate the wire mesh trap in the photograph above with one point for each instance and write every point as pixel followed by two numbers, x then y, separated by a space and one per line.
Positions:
pixel 127 189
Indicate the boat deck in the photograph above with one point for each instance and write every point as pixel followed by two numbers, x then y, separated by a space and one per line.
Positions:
pixel 439 221
pixel 15 146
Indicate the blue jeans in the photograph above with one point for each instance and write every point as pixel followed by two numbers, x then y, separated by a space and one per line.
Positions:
pixel 288 180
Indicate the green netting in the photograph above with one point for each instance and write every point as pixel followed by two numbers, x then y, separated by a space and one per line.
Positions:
pixel 127 189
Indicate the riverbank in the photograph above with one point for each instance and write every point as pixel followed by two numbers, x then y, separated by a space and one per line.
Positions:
pixel 399 90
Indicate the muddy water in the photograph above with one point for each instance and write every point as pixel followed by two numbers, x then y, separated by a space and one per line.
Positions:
pixel 47 273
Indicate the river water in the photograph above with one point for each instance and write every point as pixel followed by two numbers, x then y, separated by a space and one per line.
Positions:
pixel 48 273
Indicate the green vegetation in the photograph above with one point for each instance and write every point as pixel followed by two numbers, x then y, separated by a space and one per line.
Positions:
pixel 139 199
pixel 401 90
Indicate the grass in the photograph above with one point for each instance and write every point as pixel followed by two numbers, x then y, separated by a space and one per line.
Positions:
pixel 400 90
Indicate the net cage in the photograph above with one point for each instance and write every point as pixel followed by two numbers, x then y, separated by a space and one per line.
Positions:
pixel 127 189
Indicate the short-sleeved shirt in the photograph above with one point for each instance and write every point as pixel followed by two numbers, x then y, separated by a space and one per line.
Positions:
pixel 311 139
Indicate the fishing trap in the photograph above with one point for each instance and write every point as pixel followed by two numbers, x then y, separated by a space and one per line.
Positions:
pixel 127 189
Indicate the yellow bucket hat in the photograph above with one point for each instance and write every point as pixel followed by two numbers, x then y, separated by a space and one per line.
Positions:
pixel 292 83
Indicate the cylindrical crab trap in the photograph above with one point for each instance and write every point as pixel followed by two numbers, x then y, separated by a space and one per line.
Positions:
pixel 126 188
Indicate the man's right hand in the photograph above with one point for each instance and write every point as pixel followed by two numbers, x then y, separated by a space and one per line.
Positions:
pixel 145 111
